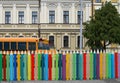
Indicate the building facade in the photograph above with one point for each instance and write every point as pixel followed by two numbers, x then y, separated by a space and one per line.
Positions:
pixel 59 20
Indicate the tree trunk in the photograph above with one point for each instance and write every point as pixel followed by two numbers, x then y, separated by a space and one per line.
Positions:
pixel 104 46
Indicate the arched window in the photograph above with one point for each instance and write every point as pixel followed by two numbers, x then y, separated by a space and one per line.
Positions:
pixel 66 42
pixel 51 41
pixel 78 41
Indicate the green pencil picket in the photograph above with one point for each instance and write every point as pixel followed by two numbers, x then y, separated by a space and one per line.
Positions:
pixel 39 66
pixel 109 65
pixel 91 65
pixel 56 69
pixel 74 66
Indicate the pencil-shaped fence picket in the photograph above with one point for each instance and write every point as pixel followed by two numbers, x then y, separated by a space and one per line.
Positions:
pixel 53 65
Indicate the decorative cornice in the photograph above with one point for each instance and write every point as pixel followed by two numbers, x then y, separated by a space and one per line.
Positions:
pixel 52 5
pixel 66 5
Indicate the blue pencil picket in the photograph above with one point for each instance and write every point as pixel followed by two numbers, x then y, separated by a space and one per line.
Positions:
pixel 15 66
pixel 22 66
pixel 46 66
pixel 11 67
pixel 42 66
pixel 25 65
pixel 112 65
pixel 60 66
pixel 81 66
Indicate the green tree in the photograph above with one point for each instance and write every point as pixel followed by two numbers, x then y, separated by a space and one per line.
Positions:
pixel 104 27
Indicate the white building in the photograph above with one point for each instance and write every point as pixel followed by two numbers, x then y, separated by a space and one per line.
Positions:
pixel 59 20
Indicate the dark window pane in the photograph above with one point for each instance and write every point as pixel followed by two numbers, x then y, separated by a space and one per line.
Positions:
pixel 7 17
pixel 98 1
pixel 21 46
pixel 0 45
pixel 79 16
pixel 78 41
pixel 51 16
pixel 43 46
pixel 51 41
pixel 66 16
pixel 32 46
pixel 21 17
pixel 34 17
pixel 13 46
pixel 66 41
pixel 6 46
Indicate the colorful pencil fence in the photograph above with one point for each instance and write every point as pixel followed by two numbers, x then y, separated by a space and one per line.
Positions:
pixel 53 65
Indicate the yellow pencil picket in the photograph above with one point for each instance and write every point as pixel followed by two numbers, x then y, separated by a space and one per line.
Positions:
pixel 67 66
pixel 18 66
pixel 29 66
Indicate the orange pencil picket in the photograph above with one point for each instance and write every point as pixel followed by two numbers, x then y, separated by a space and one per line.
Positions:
pixel 101 66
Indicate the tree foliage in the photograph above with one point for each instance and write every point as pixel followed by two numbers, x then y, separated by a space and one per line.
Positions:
pixel 104 28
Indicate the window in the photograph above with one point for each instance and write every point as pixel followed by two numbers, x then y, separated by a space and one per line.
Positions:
pixel 7 17
pixel 0 46
pixel 78 41
pixel 98 1
pixel 66 16
pixel 79 16
pixel 6 46
pixel 51 16
pixel 21 46
pixel 13 46
pixel 21 17
pixel 32 46
pixel 66 41
pixel 34 17
pixel 51 41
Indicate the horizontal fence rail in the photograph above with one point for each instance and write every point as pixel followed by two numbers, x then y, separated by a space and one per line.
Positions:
pixel 53 65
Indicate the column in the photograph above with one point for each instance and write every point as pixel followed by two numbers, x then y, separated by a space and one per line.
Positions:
pixel 72 15
pixel 58 41
pixel 42 13
pixel 46 20
pixel 1 13
pixel 14 14
pixel 87 11
pixel 119 6
pixel 27 14
pixel 73 41
pixel 59 14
